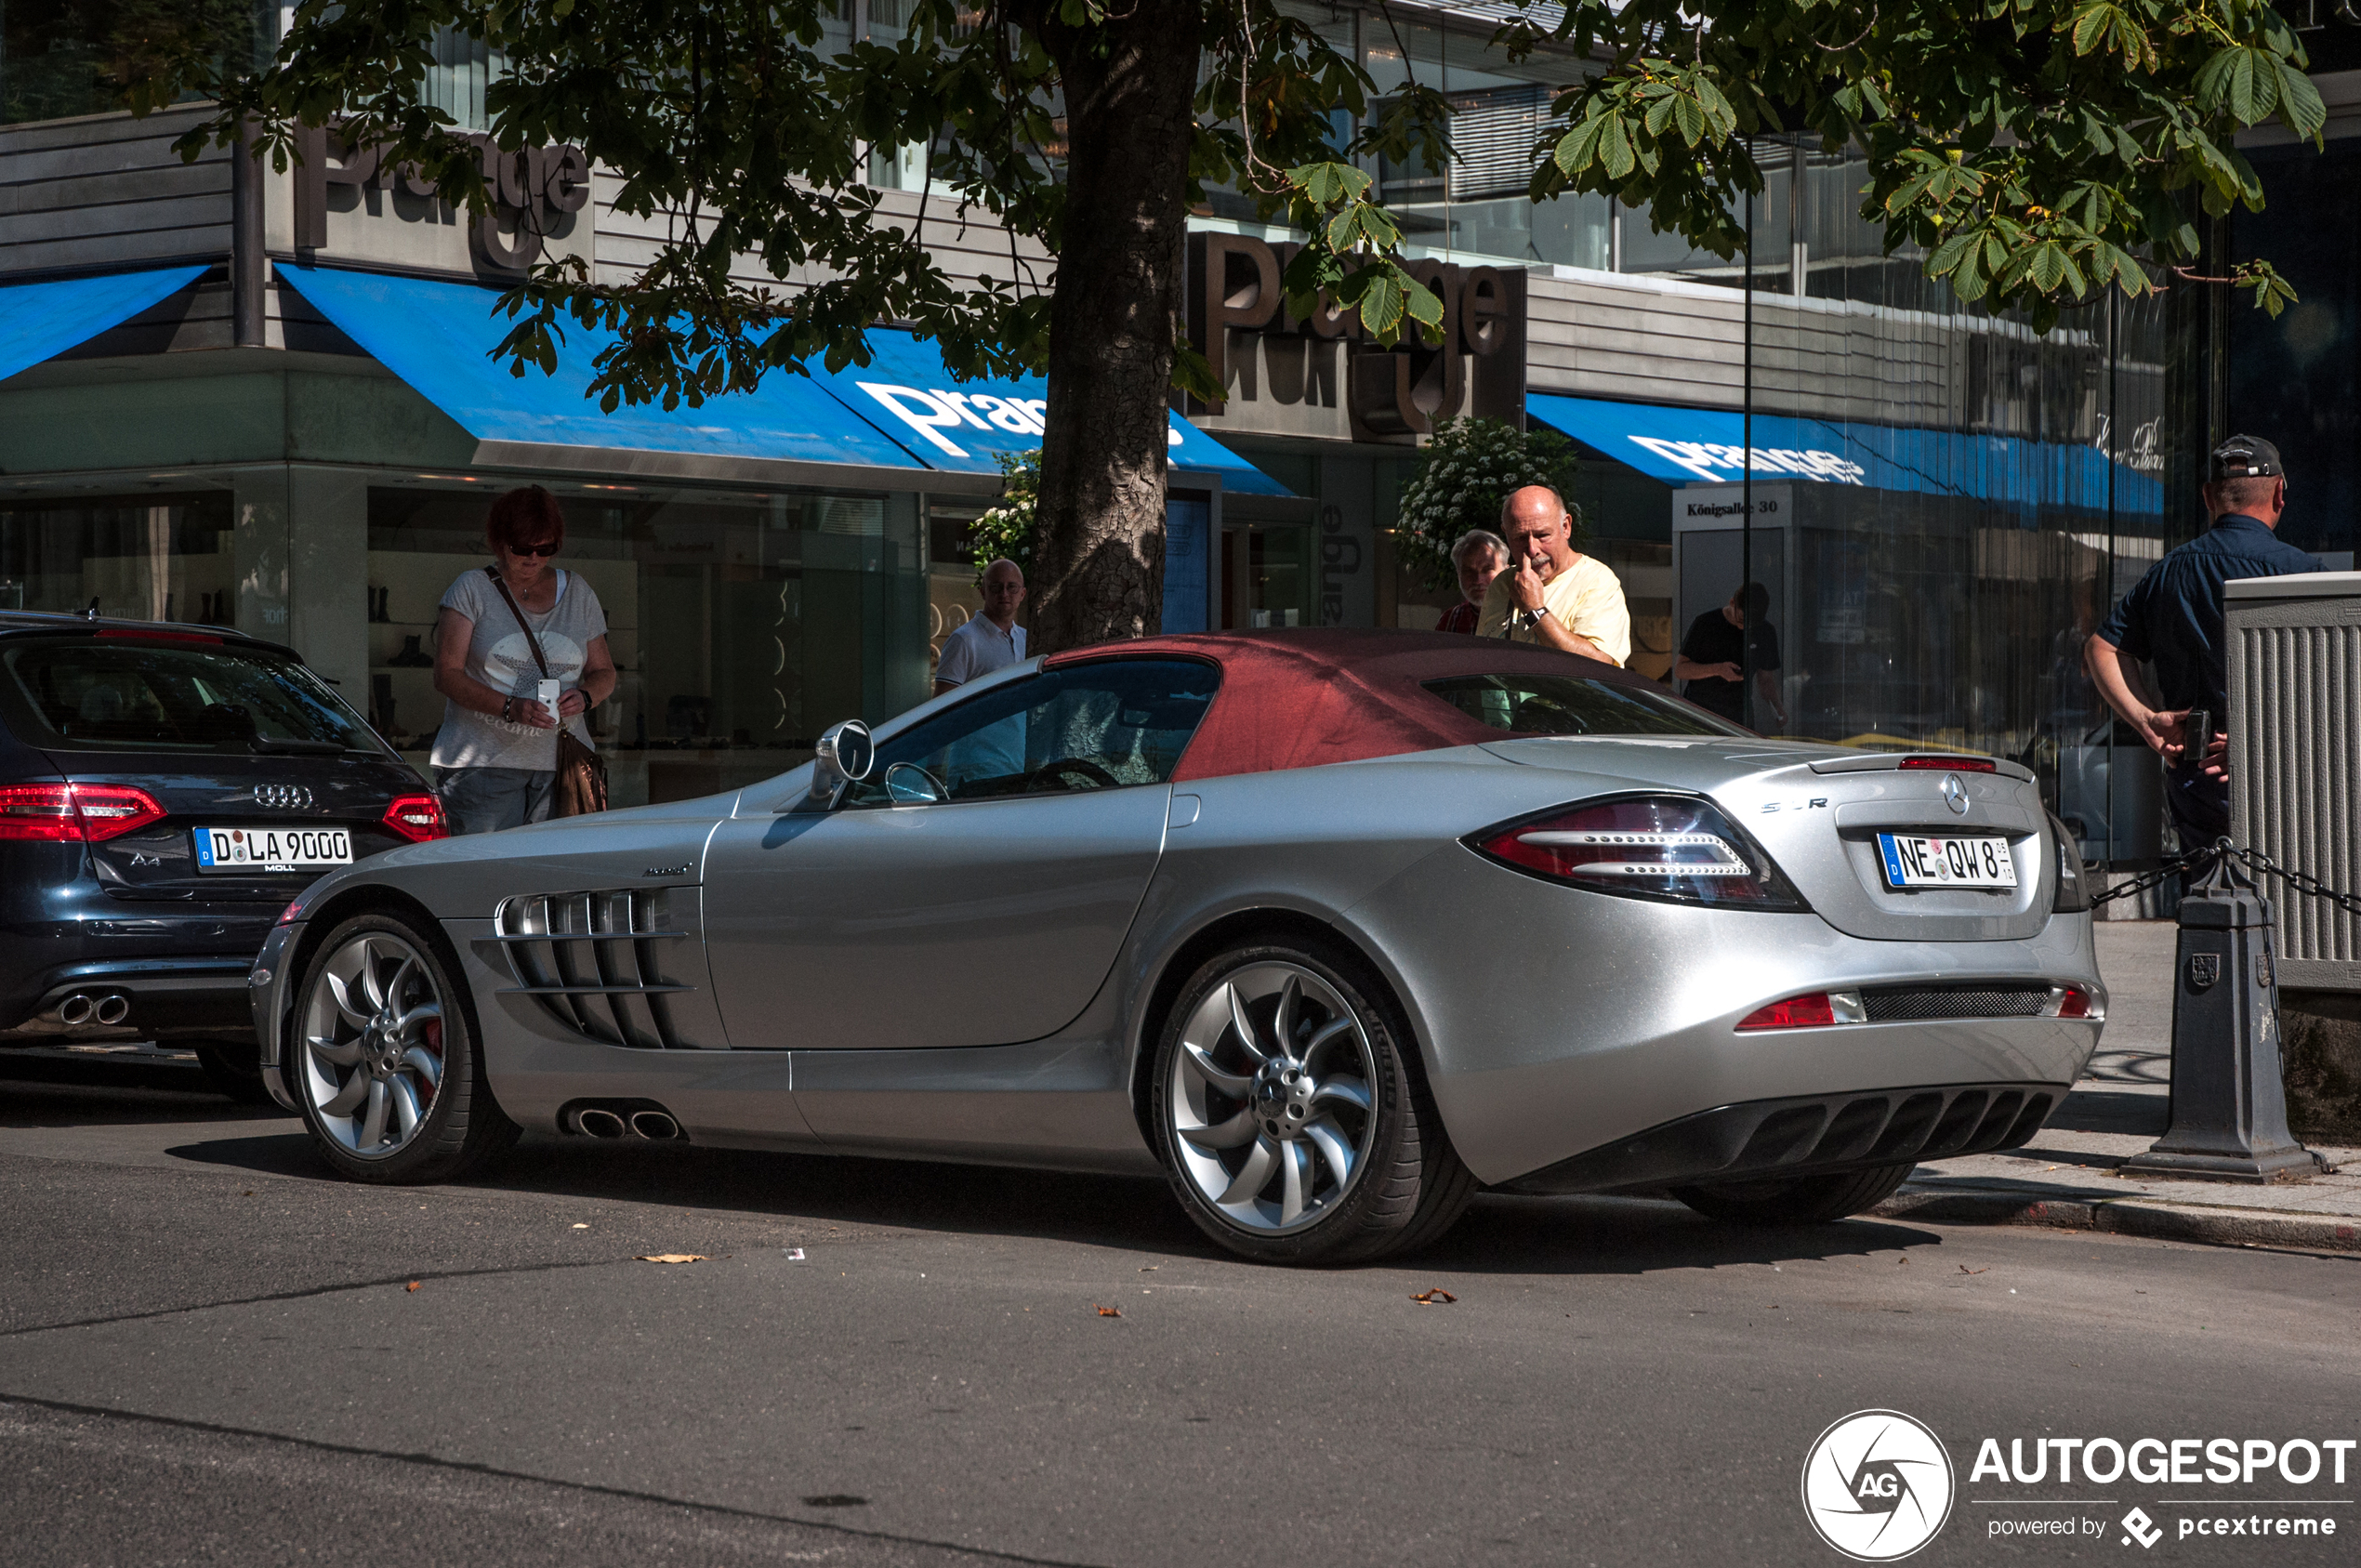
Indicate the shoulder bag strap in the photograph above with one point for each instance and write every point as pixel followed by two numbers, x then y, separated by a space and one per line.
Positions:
pixel 514 609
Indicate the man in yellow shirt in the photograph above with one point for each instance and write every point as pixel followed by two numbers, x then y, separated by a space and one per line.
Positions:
pixel 1553 594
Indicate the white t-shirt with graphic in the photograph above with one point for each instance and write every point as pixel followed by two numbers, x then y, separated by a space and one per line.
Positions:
pixel 499 656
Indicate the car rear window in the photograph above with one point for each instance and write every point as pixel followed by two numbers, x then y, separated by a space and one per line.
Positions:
pixel 151 694
pixel 1559 705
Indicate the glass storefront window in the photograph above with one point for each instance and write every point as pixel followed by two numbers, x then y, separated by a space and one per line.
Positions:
pixel 741 625
pixel 1269 576
pixel 162 557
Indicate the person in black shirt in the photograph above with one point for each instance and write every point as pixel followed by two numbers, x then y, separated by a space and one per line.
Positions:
pixel 2173 619
pixel 1708 657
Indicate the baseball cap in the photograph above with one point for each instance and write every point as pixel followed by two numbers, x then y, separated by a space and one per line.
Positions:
pixel 2244 457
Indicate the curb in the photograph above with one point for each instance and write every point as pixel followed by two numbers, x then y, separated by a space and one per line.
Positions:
pixel 2207 1224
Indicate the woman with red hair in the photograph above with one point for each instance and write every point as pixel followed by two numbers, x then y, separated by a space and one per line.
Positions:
pixel 495 758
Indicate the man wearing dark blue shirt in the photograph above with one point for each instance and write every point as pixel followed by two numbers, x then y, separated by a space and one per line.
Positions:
pixel 2172 619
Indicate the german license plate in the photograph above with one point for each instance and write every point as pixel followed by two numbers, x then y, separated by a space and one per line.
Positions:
pixel 1981 861
pixel 272 849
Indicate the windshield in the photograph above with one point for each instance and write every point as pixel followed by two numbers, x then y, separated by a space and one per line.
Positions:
pixel 1559 705
pixel 151 694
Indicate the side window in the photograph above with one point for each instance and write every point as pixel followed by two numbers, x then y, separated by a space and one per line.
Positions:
pixel 1096 726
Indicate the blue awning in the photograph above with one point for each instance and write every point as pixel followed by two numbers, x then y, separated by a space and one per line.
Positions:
pixel 40 321
pixel 1707 446
pixel 966 426
pixel 439 338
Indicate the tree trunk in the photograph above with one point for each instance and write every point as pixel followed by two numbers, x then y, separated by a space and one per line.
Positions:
pixel 1098 553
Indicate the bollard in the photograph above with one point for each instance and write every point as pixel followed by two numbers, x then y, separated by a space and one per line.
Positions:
pixel 2229 1116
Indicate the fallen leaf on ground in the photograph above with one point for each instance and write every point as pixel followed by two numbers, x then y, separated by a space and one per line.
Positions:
pixel 412 1285
pixel 1900 1260
pixel 1108 1311
pixel 1149 1270
pixel 671 1257
pixel 1965 1269
pixel 1437 1296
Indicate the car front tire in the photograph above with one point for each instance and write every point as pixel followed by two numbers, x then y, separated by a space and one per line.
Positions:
pixel 383 1059
pixel 1288 1123
pixel 1796 1200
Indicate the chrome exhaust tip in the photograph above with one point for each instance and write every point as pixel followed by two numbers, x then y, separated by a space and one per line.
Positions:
pixel 75 1010
pixel 655 1124
pixel 113 1008
pixel 599 1124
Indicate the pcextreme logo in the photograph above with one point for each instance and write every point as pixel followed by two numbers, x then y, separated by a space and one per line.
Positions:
pixel 1878 1485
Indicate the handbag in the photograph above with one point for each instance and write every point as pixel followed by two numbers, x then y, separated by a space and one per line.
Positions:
pixel 581 785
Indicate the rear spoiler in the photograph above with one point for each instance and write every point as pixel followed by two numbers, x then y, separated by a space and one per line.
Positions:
pixel 1892 761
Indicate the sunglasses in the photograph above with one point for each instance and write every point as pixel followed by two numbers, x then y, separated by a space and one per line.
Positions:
pixel 533 549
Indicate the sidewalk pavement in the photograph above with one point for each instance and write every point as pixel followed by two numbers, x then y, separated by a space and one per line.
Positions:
pixel 2065 1177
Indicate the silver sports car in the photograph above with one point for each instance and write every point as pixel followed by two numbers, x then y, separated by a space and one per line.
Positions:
pixel 1334 928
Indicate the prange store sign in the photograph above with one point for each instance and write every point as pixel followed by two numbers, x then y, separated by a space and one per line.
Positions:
pixel 533 189
pixel 1474 366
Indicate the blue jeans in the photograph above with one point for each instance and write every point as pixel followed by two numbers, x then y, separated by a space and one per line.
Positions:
pixel 487 799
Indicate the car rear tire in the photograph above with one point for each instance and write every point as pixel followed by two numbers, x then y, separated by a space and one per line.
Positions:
pixel 1289 1125
pixel 1795 1199
pixel 382 1057
pixel 235 1069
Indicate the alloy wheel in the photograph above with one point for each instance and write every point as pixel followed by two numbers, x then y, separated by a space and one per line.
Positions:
pixel 373 1045
pixel 1271 1092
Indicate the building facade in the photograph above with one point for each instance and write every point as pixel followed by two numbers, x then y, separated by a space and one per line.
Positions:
pixel 298 436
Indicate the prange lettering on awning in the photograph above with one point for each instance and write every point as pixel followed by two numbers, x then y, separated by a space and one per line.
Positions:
pixel 968 425
pixel 439 338
pixel 1685 446
pixel 40 321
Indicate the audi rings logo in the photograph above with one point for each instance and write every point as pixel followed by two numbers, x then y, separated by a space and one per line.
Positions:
pixel 1877 1485
pixel 282 798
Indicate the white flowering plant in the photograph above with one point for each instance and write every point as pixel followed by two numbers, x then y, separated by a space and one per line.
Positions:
pixel 1008 529
pixel 1465 472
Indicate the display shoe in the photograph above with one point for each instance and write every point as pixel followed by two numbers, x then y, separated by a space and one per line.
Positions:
pixel 411 656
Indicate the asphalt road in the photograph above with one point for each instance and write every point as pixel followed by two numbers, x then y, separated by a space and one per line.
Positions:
pixel 210 1352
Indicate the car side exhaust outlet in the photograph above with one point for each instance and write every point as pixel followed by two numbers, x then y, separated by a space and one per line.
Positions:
pixel 599 1124
pixel 75 1010
pixel 655 1124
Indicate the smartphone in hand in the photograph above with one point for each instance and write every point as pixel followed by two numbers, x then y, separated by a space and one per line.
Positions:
pixel 548 695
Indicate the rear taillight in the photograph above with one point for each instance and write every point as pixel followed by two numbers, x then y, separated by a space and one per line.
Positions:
pixel 2074 878
pixel 1948 765
pixel 1658 846
pixel 416 818
pixel 2074 1002
pixel 75 813
pixel 1813 1009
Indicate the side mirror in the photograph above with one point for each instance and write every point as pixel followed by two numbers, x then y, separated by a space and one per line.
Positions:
pixel 842 757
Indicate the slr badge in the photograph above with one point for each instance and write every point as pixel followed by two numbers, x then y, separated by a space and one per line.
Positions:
pixel 2204 970
pixel 1955 795
pixel 282 798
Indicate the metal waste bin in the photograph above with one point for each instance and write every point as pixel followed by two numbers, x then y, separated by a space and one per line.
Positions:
pixel 2295 756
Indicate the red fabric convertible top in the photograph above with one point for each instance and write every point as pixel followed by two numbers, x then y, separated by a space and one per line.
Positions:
pixel 1301 698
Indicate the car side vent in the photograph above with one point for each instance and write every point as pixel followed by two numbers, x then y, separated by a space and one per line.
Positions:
pixel 594 962
pixel 1922 1004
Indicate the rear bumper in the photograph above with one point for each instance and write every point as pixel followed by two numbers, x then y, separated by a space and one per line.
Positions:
pixel 159 997
pixel 1810 1135
pixel 1556 1023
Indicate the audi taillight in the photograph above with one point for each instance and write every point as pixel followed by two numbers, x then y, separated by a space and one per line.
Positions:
pixel 1653 847
pixel 75 813
pixel 416 818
